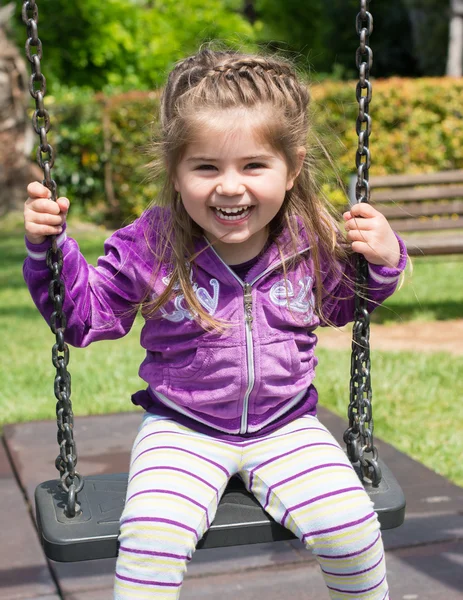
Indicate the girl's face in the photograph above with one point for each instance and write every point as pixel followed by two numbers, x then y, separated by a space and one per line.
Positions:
pixel 232 185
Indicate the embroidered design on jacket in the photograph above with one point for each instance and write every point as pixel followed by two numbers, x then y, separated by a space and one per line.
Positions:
pixel 208 302
pixel 282 294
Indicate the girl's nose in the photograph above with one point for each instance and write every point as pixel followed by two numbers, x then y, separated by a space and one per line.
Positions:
pixel 230 185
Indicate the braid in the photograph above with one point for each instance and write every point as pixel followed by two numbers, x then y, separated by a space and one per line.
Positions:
pixel 250 79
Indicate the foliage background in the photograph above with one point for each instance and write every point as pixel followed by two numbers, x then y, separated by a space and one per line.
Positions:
pixel 132 44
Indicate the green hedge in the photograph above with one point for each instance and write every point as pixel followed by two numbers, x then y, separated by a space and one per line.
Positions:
pixel 417 127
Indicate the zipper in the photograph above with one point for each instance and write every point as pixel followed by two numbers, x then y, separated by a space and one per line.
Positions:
pixel 249 354
pixel 248 317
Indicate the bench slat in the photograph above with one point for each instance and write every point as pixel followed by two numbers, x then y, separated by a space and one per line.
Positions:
pixel 425 224
pixel 420 209
pixel 410 195
pixel 455 176
pixel 424 245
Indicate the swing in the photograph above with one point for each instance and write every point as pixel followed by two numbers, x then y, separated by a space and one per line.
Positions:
pixel 81 522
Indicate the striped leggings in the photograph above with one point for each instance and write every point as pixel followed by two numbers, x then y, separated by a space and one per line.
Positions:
pixel 299 474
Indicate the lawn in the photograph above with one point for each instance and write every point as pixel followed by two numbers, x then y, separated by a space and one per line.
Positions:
pixel 418 396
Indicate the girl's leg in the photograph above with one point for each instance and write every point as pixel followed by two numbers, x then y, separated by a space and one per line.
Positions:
pixel 302 477
pixel 176 479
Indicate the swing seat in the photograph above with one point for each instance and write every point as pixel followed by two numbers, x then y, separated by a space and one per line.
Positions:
pixel 239 520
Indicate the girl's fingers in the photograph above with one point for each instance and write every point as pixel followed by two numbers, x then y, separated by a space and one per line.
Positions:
pixel 38 190
pixel 362 248
pixel 363 223
pixel 46 206
pixel 363 209
pixel 355 235
pixel 43 229
pixel 47 219
pixel 43 205
pixel 63 203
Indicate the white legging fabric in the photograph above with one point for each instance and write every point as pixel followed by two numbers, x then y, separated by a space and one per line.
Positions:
pixel 299 474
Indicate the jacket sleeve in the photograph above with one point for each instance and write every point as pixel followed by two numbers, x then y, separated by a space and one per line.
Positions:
pixel 100 302
pixel 338 299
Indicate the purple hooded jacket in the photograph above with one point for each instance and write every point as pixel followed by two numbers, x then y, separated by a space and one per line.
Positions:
pixel 257 375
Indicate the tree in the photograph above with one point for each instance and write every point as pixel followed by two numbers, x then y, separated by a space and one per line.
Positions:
pixel 429 20
pixel 16 135
pixel 455 48
pixel 321 35
pixel 129 43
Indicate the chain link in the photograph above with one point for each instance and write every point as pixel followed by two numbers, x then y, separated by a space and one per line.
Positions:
pixel 71 481
pixel 359 435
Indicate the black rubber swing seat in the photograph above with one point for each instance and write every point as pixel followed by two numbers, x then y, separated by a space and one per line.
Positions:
pixel 240 519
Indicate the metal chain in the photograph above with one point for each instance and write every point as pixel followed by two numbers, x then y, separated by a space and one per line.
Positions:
pixel 359 436
pixel 66 462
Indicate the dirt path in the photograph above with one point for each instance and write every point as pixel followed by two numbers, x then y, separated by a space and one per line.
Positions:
pixel 441 336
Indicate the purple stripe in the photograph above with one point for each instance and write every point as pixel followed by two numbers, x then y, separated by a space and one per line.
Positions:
pixel 275 485
pixel 356 572
pixel 351 553
pixel 167 468
pixel 208 460
pixel 340 527
pixel 358 591
pixel 153 553
pixel 321 497
pixel 159 520
pixel 275 458
pixel 144 582
pixel 192 500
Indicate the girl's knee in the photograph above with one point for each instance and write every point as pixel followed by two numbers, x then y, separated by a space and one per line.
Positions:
pixel 345 538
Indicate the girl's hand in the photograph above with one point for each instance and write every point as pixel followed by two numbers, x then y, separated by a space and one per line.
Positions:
pixel 43 216
pixel 371 235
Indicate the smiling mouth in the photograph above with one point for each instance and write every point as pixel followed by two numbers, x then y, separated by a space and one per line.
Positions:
pixel 232 214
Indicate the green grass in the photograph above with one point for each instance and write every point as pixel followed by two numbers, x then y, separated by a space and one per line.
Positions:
pixel 417 404
pixel 432 290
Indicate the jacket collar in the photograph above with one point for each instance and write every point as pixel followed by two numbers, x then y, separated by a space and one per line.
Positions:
pixel 210 261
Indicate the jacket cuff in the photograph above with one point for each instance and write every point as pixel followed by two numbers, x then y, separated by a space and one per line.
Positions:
pixel 383 274
pixel 38 252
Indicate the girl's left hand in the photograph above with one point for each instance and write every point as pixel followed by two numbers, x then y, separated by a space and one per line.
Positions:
pixel 371 235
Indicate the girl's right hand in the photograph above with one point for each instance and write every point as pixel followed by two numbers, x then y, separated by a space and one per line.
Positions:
pixel 43 216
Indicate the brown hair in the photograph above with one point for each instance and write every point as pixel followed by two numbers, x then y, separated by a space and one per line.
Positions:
pixel 226 80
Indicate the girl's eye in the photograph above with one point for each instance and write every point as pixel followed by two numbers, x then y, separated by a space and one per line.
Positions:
pixel 213 167
pixel 205 167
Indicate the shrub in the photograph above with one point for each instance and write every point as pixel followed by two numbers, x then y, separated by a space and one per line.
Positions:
pixel 417 125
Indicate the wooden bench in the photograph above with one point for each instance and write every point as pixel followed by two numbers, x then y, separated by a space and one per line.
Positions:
pixel 425 209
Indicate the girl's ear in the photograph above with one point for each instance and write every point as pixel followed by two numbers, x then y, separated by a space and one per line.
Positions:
pixel 301 152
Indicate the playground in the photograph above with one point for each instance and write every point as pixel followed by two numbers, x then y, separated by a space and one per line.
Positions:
pixel 406 360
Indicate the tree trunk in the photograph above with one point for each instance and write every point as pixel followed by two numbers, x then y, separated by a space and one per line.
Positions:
pixel 455 51
pixel 249 11
pixel 16 133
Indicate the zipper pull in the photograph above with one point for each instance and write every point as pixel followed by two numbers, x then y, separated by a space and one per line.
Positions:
pixel 248 303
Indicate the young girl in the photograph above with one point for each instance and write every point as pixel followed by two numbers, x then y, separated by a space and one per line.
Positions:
pixel 233 269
